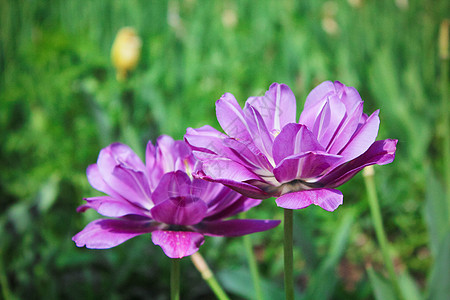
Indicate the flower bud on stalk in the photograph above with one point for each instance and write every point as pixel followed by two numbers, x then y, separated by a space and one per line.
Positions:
pixel 125 52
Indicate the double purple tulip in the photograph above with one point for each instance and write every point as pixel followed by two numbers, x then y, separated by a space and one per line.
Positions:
pixel 266 153
pixel 161 198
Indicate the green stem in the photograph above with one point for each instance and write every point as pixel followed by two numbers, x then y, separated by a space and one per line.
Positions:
pixel 288 255
pixel 208 276
pixel 445 107
pixel 377 220
pixel 253 266
pixel 175 279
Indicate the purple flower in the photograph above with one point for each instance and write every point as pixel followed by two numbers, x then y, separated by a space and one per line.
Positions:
pixel 266 153
pixel 160 197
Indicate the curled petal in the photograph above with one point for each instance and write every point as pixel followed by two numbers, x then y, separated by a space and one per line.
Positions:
pixel 106 233
pixel 328 199
pixel 236 227
pixel 178 244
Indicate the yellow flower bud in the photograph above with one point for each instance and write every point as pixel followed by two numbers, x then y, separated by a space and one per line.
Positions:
pixel 125 51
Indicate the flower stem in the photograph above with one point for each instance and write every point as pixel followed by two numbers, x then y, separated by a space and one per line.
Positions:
pixel 444 56
pixel 288 254
pixel 377 220
pixel 253 266
pixel 201 265
pixel 175 279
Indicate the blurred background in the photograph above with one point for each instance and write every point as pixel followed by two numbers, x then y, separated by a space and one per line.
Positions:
pixel 61 102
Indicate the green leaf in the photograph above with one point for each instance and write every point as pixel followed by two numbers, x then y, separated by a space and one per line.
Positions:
pixel 381 288
pixel 324 279
pixel 239 282
pixel 409 287
pixel 436 213
pixel 438 285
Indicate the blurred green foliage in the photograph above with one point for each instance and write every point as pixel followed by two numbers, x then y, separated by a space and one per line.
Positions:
pixel 60 103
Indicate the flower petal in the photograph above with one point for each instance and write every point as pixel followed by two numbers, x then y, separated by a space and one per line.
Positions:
pixel 231 118
pixel 178 244
pixel 154 170
pixel 261 137
pixel 363 138
pixel 110 207
pixel 180 210
pixel 328 120
pixel 236 227
pixel 106 233
pixel 235 204
pixel 294 139
pixel 172 184
pixel 244 188
pixel 227 169
pixel 305 166
pixel 277 107
pixel 347 129
pixel 206 139
pixel 96 181
pixel 380 153
pixel 119 168
pixel 328 199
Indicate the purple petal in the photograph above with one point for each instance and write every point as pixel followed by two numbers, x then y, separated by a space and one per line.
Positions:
pixel 277 107
pixel 328 199
pixel 231 118
pixel 294 139
pixel 226 210
pixel 172 184
pixel 96 181
pixel 262 138
pixel 154 170
pixel 227 169
pixel 349 95
pixel 319 94
pixel 206 139
pixel 329 120
pixel 363 138
pixel 181 210
pixel 124 155
pixel 236 227
pixel 106 233
pixel 178 244
pixel 124 175
pixel 245 156
pixel 346 130
pixel 305 166
pixel 110 207
pixel 243 188
pixel 380 153
pixel 165 153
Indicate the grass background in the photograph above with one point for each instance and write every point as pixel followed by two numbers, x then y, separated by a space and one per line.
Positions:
pixel 60 103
